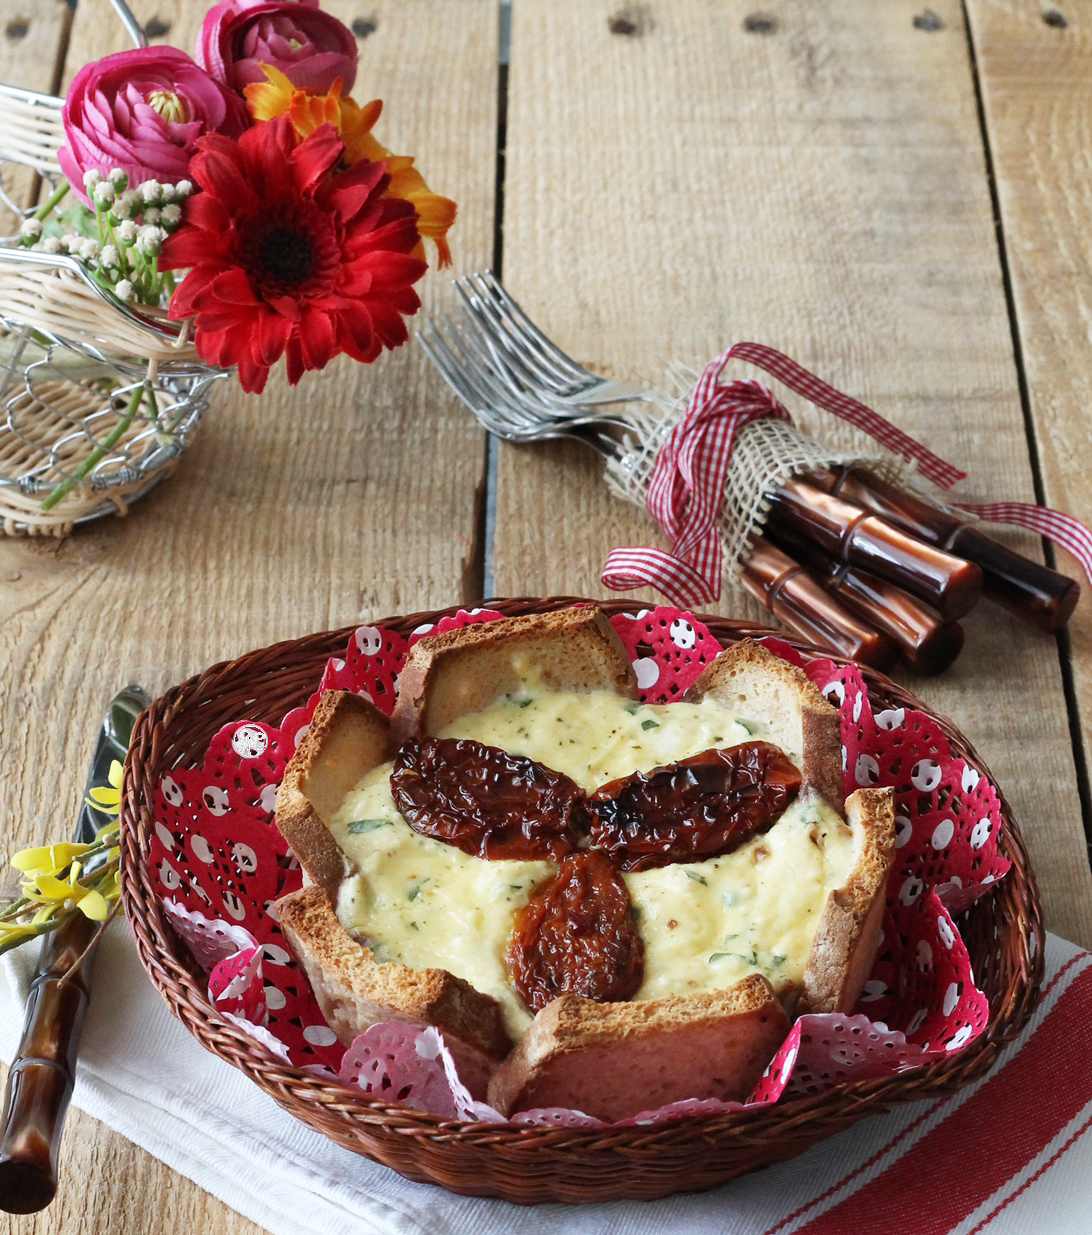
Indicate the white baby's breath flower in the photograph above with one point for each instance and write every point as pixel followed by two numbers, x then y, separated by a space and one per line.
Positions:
pixel 120 210
pixel 118 179
pixel 150 240
pixel 103 194
pixel 170 217
pixel 132 199
pixel 30 230
pixel 127 232
pixel 150 215
pixel 123 289
pixel 91 178
pixel 51 244
pixel 71 243
pixel 89 249
pixel 182 190
pixel 166 194
pixel 151 191
pixel 109 257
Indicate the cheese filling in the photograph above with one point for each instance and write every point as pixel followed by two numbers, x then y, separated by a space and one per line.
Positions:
pixel 705 925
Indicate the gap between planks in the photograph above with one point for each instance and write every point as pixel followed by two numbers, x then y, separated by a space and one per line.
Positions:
pixel 1065 661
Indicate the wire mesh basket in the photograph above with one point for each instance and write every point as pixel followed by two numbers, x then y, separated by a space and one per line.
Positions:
pixel 99 397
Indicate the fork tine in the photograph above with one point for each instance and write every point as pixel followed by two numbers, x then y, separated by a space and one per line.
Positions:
pixel 485 354
pixel 524 346
pixel 488 399
pixel 531 333
pixel 508 350
pixel 535 361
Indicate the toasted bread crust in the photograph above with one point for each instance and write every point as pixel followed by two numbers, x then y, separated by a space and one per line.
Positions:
pixel 609 1060
pixel 348 737
pixel 794 714
pixel 848 932
pixel 355 991
pixel 465 670
pixel 615 1060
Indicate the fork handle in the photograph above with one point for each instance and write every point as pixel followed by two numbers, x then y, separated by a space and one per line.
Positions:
pixel 42 1075
pixel 1038 595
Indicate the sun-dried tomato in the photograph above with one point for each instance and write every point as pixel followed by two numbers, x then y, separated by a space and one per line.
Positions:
pixel 697 808
pixel 577 936
pixel 485 801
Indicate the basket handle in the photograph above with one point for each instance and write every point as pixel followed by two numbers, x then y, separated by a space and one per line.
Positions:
pixel 133 28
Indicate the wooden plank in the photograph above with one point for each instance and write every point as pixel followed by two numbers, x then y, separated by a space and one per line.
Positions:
pixel 1035 70
pixel 352 496
pixel 32 39
pixel 679 178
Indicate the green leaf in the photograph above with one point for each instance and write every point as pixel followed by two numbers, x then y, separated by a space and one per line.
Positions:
pixel 526 703
pixel 359 826
pixel 697 878
pixel 415 890
pixel 749 727
pixel 650 724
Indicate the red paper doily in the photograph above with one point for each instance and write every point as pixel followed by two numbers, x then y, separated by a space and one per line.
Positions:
pixel 220 865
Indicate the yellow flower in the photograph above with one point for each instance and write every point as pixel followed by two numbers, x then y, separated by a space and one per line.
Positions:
pixel 14 932
pixel 47 859
pixel 108 800
pixel 53 893
pixel 278 97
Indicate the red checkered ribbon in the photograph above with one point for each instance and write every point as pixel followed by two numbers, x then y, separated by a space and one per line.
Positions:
pixel 687 484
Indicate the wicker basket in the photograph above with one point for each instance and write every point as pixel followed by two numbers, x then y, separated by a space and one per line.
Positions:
pixel 73 358
pixel 528 1165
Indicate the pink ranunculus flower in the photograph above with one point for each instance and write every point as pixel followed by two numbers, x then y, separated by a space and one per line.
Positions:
pixel 311 48
pixel 143 111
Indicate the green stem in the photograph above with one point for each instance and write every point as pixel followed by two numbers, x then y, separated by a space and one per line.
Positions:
pixel 66 486
pixel 15 908
pixel 54 198
pixel 43 928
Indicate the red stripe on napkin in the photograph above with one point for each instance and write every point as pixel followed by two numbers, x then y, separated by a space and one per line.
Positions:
pixel 981 1226
pixel 1013 1116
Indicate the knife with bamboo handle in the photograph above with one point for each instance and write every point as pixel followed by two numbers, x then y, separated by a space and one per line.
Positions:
pixel 42 1074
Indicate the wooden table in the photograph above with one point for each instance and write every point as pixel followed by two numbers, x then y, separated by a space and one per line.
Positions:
pixel 900 197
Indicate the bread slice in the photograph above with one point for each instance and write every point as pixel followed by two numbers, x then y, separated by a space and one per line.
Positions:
pixel 609 1060
pixel 354 991
pixel 615 1060
pixel 783 706
pixel 848 933
pixel 348 737
pixel 461 671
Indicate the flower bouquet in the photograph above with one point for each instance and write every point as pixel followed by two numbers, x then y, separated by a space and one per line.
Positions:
pixel 204 216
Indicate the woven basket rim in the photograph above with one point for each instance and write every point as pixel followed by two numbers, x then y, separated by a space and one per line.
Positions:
pixel 799 1121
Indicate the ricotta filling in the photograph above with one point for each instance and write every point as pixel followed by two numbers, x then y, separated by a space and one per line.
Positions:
pixel 705 925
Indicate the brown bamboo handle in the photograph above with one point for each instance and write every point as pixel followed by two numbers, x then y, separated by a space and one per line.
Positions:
pixel 1042 597
pixel 849 534
pixel 41 1077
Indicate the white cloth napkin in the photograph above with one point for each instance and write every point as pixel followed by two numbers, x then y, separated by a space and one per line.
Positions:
pixel 1011 1155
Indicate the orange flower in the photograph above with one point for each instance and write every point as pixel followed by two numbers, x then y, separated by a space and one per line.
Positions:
pixel 278 97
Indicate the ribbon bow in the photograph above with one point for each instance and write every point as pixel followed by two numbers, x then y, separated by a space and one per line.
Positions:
pixel 687 484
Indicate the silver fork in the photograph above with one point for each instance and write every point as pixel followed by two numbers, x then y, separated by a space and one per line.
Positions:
pixel 518 383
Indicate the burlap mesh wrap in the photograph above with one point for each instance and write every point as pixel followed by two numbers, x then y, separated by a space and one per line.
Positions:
pixel 766 453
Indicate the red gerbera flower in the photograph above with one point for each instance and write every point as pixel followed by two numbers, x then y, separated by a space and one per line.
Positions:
pixel 289 256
